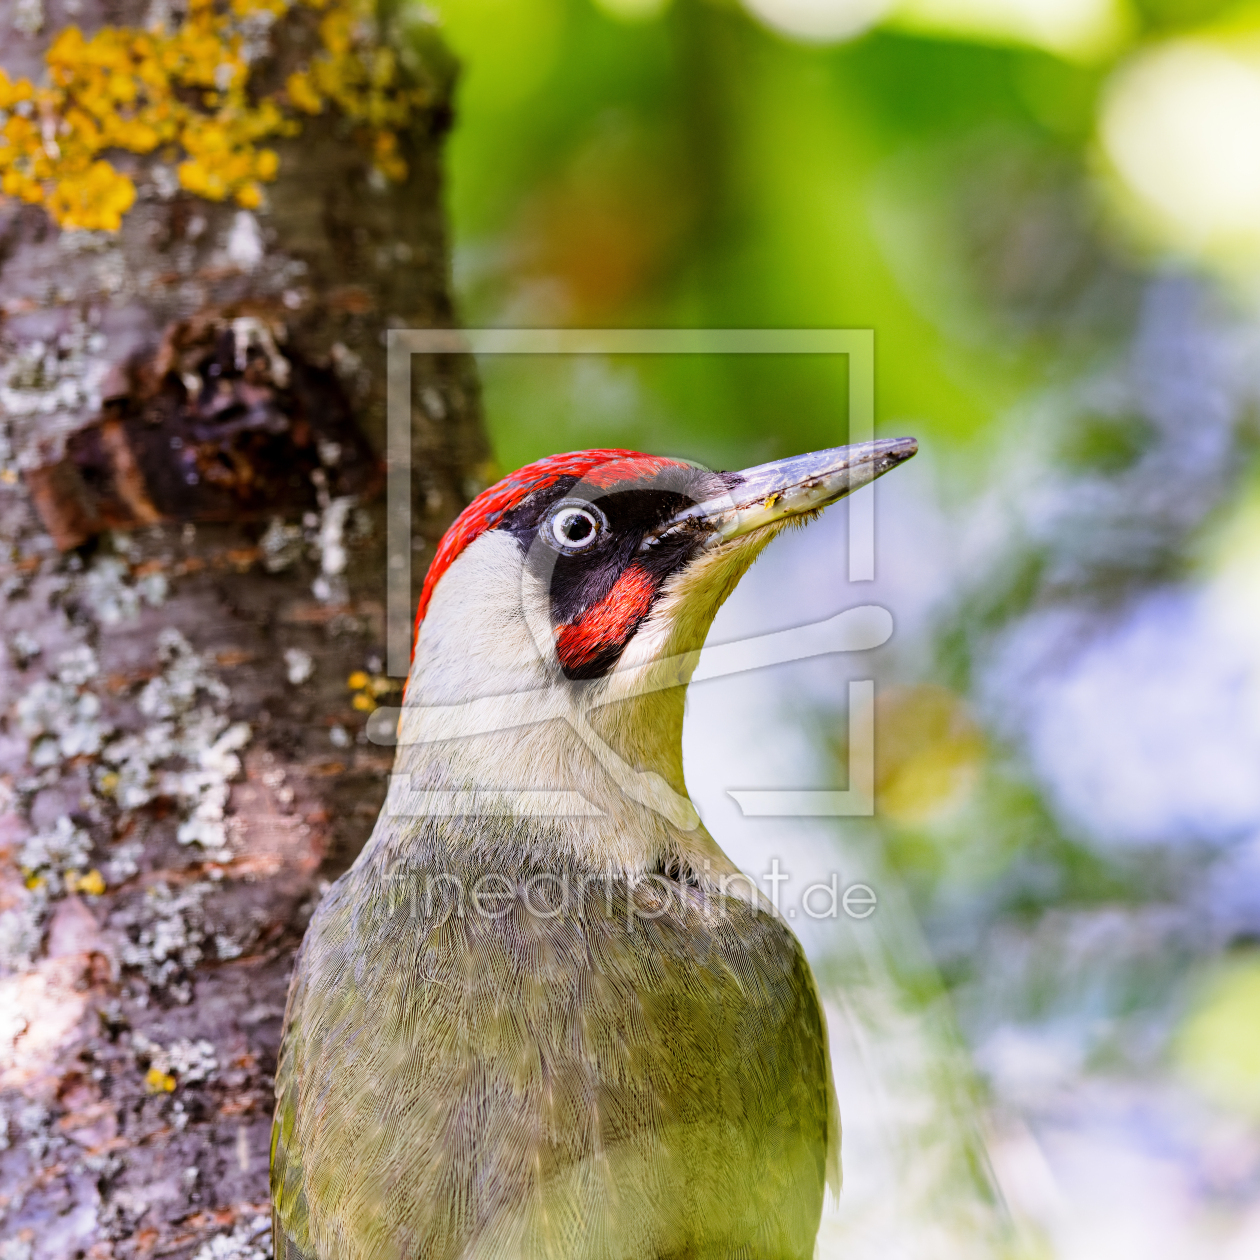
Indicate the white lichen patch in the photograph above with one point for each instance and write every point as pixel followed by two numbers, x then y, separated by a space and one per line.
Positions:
pixel 330 586
pixel 112 597
pixel 226 947
pixel 77 666
pixel 33 1122
pixel 48 388
pixel 298 665
pixel 250 333
pixel 349 368
pixel 184 674
pixel 255 30
pixel 244 247
pixel 21 935
pixel 59 717
pixel 28 16
pixel 99 267
pixel 127 765
pixel 186 751
pixel 189 1062
pixel 281 545
pixel 166 935
pixel 23 648
pixel 217 763
pixel 185 703
pixel 123 862
pixel 248 1241
pixel 57 857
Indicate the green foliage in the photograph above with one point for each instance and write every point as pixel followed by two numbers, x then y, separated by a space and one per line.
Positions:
pixel 1106 444
pixel 956 195
pixel 1164 14
pixel 695 170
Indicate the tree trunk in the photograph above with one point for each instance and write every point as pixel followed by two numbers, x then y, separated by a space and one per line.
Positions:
pixel 193 576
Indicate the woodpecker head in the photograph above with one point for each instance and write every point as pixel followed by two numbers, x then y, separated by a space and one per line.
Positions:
pixel 580 574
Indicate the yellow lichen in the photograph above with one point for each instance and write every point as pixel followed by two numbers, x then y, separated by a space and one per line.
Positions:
pixel 93 883
pixel 158 1082
pixel 186 87
pixel 368 688
pixel 302 92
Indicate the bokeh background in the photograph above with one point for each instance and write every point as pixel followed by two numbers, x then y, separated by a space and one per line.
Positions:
pixel 1047 1037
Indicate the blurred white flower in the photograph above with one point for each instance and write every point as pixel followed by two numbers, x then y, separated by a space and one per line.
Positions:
pixel 1078 29
pixel 1179 125
pixel 822 21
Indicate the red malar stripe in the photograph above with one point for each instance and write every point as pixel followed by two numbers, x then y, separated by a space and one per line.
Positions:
pixel 604 468
pixel 608 623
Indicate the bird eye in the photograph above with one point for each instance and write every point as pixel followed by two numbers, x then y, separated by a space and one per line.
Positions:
pixel 574 528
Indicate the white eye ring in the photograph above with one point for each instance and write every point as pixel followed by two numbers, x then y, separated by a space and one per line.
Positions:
pixel 575 527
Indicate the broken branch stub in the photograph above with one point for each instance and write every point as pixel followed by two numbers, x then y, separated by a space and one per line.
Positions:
pixel 220 424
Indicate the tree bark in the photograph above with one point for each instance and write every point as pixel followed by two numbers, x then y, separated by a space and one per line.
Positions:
pixel 192 578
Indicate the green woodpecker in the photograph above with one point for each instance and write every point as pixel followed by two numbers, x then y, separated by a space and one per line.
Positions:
pixel 543 1015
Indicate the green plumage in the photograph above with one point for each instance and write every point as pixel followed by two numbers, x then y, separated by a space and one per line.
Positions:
pixel 577 1081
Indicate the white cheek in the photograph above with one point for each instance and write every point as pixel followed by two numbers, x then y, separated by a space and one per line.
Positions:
pixel 487 629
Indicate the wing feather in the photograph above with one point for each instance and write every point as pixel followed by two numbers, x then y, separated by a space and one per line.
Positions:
pixel 583 1087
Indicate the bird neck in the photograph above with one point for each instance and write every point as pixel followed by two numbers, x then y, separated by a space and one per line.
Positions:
pixel 498 747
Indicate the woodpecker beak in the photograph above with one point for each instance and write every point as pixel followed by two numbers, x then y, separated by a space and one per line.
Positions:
pixel 789 487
